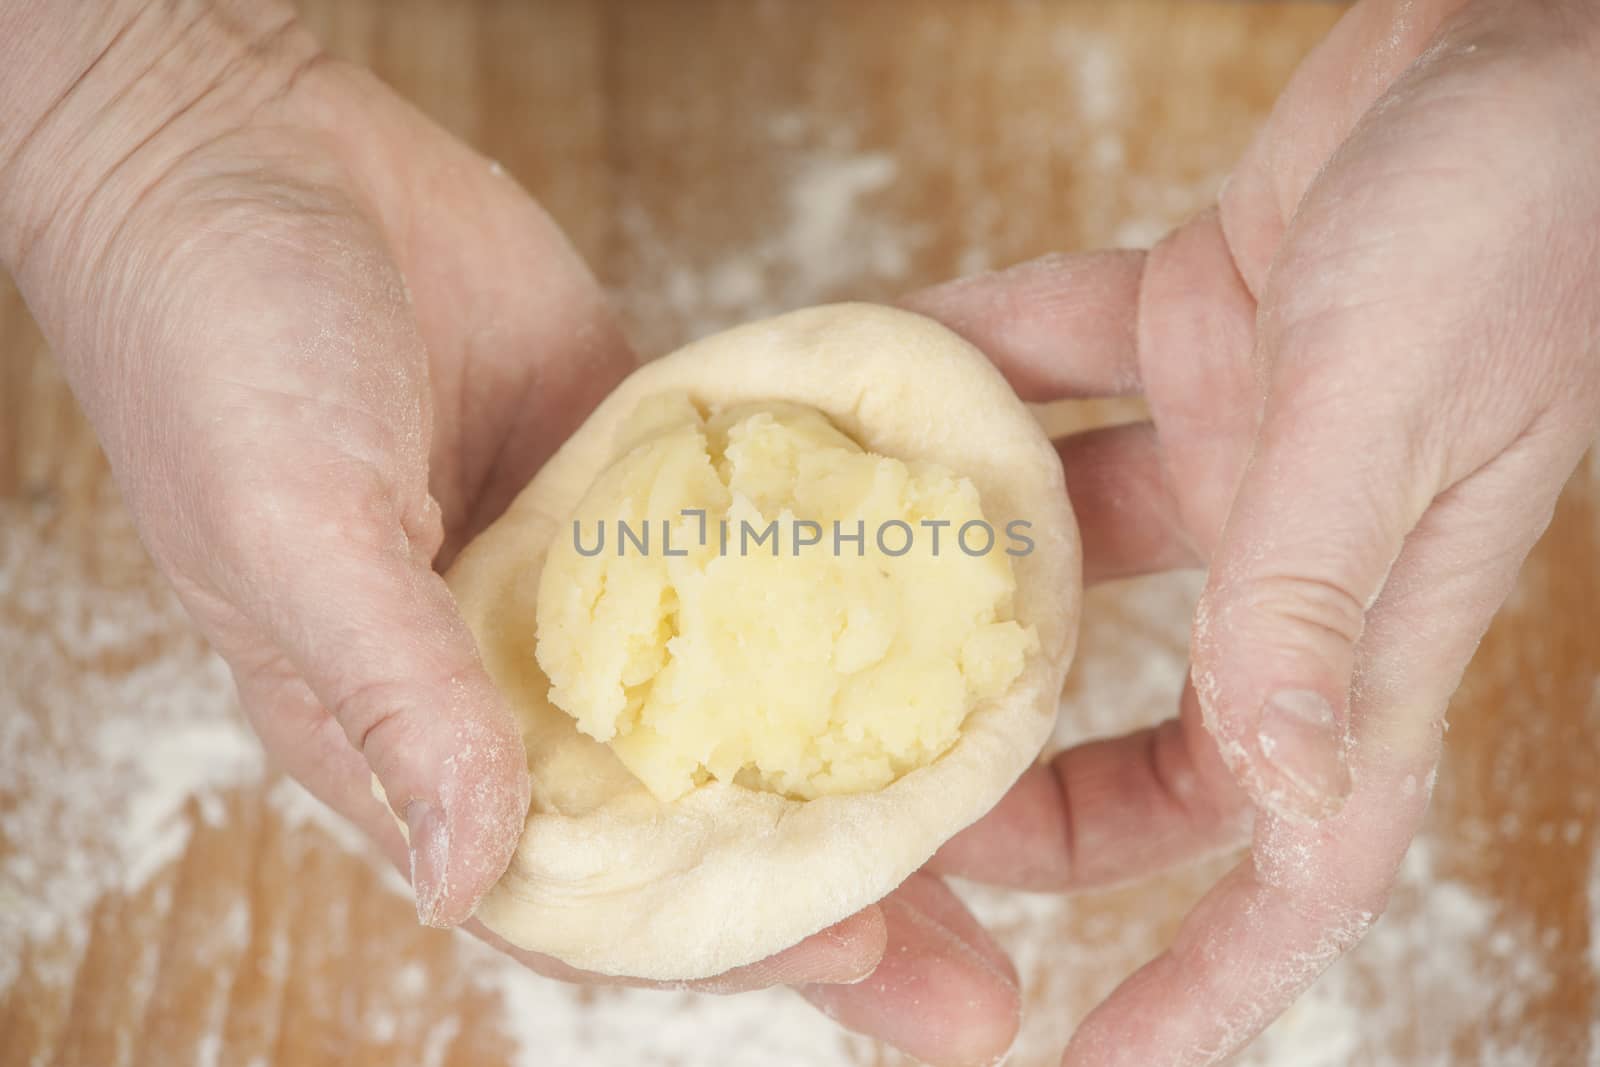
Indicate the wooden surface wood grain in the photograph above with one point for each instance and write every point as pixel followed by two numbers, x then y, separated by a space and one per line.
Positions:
pixel 716 161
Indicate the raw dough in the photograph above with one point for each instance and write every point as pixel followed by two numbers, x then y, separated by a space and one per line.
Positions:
pixel 753 597
pixel 609 878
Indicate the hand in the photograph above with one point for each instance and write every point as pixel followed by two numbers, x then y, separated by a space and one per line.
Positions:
pixel 323 344
pixel 1369 373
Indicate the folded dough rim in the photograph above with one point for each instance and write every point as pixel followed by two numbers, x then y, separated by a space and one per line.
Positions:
pixel 610 880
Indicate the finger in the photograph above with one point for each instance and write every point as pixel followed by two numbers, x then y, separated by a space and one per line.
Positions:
pixel 1127 514
pixel 945 992
pixel 375 635
pixel 306 743
pixel 1244 953
pixel 1314 528
pixel 1075 326
pixel 1197 329
pixel 1107 811
pixel 314 751
pixel 845 952
pixel 1332 88
pixel 396 666
pixel 1309 890
pixel 1258 939
pixel 1060 326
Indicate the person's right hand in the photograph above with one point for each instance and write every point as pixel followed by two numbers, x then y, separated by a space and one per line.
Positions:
pixel 323 344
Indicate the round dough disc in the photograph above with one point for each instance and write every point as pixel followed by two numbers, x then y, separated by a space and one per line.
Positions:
pixel 607 878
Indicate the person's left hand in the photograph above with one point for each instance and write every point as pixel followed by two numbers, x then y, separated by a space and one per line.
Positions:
pixel 1369 373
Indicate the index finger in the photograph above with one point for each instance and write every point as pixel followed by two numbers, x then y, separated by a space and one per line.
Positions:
pixel 1299 901
pixel 1310 889
pixel 1058 327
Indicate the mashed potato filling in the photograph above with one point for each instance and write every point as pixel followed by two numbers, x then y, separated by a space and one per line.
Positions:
pixel 750 596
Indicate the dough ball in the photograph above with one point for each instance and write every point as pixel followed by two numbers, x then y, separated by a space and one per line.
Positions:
pixel 729 753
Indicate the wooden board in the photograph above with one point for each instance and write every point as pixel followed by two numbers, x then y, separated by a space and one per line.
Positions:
pixel 715 161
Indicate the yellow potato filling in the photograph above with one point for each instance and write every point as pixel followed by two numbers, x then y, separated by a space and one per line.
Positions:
pixel 748 595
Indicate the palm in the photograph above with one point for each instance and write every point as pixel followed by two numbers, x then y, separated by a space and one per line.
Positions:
pixel 520 342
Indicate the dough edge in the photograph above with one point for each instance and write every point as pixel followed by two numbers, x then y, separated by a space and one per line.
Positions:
pixel 726 876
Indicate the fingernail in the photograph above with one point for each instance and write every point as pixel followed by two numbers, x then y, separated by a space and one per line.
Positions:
pixel 846 951
pixel 1301 736
pixel 430 853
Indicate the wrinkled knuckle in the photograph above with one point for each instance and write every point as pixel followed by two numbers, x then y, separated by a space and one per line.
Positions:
pixel 1303 607
pixel 1291 628
pixel 413 727
pixel 1270 607
pixel 373 716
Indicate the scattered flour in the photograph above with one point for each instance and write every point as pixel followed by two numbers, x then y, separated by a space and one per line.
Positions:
pixel 1594 925
pixel 165 740
pixel 296 807
pixel 1132 657
pixel 554 1025
pixel 1594 919
pixel 117 771
pixel 1099 74
pixel 830 238
pixel 189 759
pixel 98 777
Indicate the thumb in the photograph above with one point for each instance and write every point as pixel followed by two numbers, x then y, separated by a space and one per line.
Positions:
pixel 1314 528
pixel 376 635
